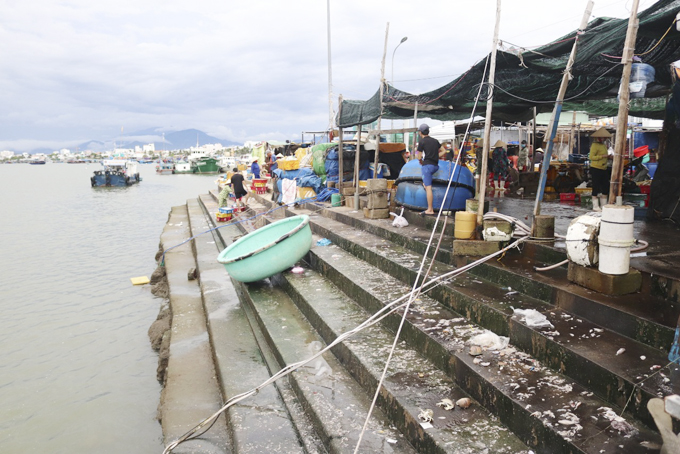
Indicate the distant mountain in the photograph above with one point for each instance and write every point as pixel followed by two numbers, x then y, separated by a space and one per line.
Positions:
pixel 174 140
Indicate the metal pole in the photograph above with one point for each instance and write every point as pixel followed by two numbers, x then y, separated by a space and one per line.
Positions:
pixel 330 73
pixel 340 150
pixel 555 119
pixel 615 184
pixel 382 91
pixel 487 120
pixel 392 76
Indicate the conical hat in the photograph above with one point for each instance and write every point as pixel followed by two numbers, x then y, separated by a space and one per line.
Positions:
pixel 602 132
pixel 480 143
pixel 499 143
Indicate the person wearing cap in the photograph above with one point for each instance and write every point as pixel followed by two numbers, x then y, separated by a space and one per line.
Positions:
pixel 598 163
pixel 255 168
pixel 500 163
pixel 428 153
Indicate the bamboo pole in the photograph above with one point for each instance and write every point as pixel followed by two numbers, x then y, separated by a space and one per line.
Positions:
pixel 415 133
pixel 382 90
pixel 340 148
pixel 533 141
pixel 555 118
pixel 615 184
pixel 487 121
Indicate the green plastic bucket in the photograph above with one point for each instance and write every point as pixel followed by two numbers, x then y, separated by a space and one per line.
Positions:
pixel 336 201
pixel 268 250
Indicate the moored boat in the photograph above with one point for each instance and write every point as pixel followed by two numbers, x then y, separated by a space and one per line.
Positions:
pixel 164 167
pixel 116 172
pixel 183 167
pixel 206 165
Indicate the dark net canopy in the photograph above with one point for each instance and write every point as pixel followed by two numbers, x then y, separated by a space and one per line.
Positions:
pixel 526 79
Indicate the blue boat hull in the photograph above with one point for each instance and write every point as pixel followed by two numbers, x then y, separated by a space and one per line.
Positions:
pixel 100 179
pixel 411 192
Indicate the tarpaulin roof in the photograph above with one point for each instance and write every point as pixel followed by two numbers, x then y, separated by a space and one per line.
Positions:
pixel 531 78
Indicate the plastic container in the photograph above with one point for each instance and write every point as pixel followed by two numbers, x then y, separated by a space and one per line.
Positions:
pixel 567 196
pixel 306 193
pixel 464 225
pixel 637 200
pixel 615 239
pixel 641 74
pixel 259 182
pixel 268 250
pixel 587 201
pixel 584 191
pixel 336 200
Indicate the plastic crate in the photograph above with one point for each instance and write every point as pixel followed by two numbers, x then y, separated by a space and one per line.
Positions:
pixel 584 191
pixel 260 189
pixel 259 182
pixel 587 201
pixel 567 197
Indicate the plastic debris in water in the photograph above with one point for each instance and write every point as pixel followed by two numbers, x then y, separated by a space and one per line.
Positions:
pixel 298 270
pixel 619 351
pixel 323 242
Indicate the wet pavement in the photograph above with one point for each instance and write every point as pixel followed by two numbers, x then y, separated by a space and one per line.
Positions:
pixel 661 257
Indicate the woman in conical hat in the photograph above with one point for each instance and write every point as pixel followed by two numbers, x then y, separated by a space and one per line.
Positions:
pixel 598 164
pixel 500 165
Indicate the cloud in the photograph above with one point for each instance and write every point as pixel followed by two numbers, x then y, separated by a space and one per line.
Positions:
pixel 236 70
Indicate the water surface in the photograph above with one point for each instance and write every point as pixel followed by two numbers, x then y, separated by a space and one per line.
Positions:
pixel 77 374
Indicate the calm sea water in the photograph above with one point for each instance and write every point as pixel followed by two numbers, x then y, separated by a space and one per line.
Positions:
pixel 77 374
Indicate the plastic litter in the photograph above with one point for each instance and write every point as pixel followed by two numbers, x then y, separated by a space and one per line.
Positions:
pixel 490 341
pixel 620 351
pixel 323 242
pixel 298 270
pixel 399 219
pixel 533 318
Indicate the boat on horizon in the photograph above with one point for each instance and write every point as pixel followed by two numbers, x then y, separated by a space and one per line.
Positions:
pixel 116 172
pixel 165 167
pixel 37 162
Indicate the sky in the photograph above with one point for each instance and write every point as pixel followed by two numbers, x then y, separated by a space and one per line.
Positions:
pixel 81 70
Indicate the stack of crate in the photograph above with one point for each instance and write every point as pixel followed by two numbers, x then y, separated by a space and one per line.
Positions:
pixel 377 199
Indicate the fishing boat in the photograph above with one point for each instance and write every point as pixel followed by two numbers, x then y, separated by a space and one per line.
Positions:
pixel 183 167
pixel 206 165
pixel 36 162
pixel 411 192
pixel 116 172
pixel 165 167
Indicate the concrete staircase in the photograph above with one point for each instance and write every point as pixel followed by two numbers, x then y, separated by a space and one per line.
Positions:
pixel 557 390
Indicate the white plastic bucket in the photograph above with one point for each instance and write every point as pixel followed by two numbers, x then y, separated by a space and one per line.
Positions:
pixel 582 236
pixel 616 238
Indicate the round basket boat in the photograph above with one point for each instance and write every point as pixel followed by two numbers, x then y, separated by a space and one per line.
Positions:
pixel 268 250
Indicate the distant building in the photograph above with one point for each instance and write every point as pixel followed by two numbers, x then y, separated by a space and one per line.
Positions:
pixel 148 148
pixel 6 154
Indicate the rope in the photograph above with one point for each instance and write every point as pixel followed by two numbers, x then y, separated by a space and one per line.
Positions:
pixel 381 314
pixel 414 290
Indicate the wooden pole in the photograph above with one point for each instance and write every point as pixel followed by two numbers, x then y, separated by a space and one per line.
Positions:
pixel 382 90
pixel 415 133
pixel 615 183
pixel 571 133
pixel 340 148
pixel 356 169
pixel 487 121
pixel 555 118
pixel 533 141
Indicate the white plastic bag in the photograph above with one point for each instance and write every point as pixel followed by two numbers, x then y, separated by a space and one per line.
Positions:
pixel 490 341
pixel 533 318
pixel 399 220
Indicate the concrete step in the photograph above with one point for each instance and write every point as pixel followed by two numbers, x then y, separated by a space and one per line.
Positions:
pixel 412 383
pixel 513 385
pixel 239 361
pixel 191 392
pixel 589 356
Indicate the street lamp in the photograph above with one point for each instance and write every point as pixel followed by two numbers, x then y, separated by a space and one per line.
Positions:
pixel 392 77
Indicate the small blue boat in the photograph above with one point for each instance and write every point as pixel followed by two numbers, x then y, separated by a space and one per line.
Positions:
pixel 116 172
pixel 411 192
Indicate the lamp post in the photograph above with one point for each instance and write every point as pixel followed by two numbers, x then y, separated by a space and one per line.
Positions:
pixel 392 76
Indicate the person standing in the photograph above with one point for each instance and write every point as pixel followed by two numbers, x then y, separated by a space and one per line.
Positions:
pixel 523 157
pixel 538 158
pixel 255 169
pixel 500 165
pixel 599 158
pixel 428 153
pixel 239 189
